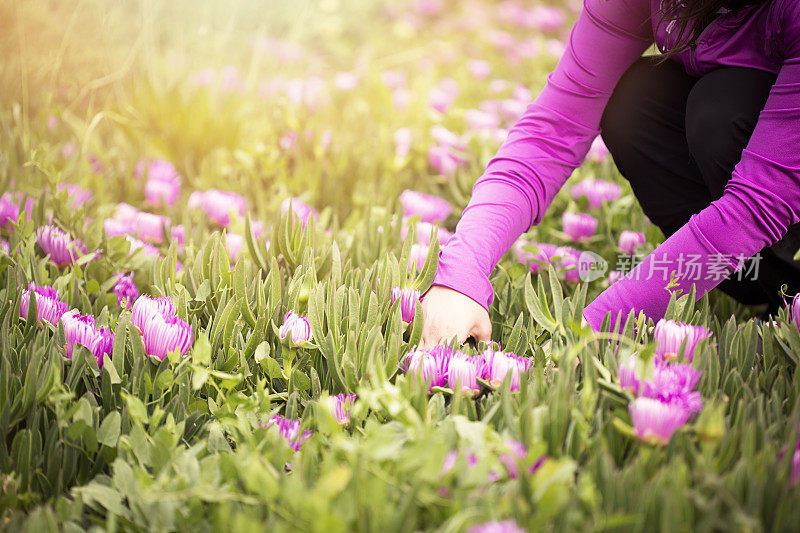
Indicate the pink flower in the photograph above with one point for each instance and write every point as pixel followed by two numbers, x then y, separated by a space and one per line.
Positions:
pixel 49 307
pixel 76 194
pixel 81 329
pixel 401 98
pixel 402 142
pixel 795 310
pixel 289 429
pixel 614 276
pixel 479 69
pixel 296 328
pixel 416 260
pixel 235 245
pixel 674 384
pixel 59 245
pixel 393 79
pixel 408 298
pixel 288 141
pixel 497 365
pixel 163 335
pixel 125 290
pixel 151 227
pixel 158 192
pixel 629 240
pixel 480 120
pixel 218 205
pixel 670 335
pixel 579 226
pixel 299 208
pixel 537 260
pixel 146 309
pixel 444 160
pixel 655 421
pixel 628 379
pixel 462 374
pixel 429 208
pixel 506 526
pixel 340 406
pixel 568 261
pixel 345 81
pixel 598 151
pixel 9 210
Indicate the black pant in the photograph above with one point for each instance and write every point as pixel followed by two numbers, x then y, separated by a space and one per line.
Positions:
pixel 677 138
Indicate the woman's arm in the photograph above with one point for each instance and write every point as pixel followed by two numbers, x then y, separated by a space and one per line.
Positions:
pixel 760 201
pixel 545 145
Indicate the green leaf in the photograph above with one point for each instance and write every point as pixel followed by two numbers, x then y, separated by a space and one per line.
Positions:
pixel 108 434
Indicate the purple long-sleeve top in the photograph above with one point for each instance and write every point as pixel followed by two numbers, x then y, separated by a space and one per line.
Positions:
pixel 553 136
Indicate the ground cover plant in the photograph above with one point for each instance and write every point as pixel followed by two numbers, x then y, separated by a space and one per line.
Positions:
pixel 216 223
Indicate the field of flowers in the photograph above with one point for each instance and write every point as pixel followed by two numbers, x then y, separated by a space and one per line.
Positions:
pixel 216 223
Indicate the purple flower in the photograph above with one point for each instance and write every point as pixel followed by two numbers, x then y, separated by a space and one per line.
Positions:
pixel 162 192
pixel 218 205
pixel 655 421
pixel 163 335
pixel 432 365
pixel 670 335
pixel 126 290
pixel 497 366
pixel 299 208
pixel 59 245
pixel 629 240
pixel 506 526
pixel 579 226
pixel 408 298
pixel 296 328
pixel 146 248
pixel 49 308
pixel 795 311
pixel 462 374
pixel 429 208
pixel 289 429
pixel 340 407
pixel 445 160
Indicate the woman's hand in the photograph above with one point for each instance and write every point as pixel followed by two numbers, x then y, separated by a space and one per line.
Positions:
pixel 447 313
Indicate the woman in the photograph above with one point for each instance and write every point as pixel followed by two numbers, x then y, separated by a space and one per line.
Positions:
pixel 708 134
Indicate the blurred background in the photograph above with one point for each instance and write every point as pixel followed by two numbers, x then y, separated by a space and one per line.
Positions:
pixel 338 102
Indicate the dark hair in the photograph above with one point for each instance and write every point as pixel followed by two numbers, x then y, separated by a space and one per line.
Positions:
pixel 691 17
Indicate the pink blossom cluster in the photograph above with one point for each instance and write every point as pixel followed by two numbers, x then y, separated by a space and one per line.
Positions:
pixel 163 332
pixel 76 194
pixel 579 226
pixel 667 398
pixel 128 220
pixel 125 290
pixel 299 208
pixel 442 366
pixel 78 329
